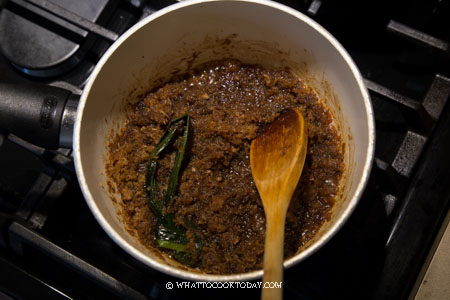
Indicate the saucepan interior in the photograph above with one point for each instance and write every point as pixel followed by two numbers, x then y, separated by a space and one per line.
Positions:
pixel 187 34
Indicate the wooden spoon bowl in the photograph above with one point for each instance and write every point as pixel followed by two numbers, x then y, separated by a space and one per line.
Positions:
pixel 277 156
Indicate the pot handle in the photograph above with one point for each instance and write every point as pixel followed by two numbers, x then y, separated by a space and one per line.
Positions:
pixel 43 115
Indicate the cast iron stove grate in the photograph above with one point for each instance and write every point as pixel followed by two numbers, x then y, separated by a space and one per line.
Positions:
pixel 51 246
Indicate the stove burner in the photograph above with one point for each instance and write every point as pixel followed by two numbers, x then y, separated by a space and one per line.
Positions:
pixel 40 44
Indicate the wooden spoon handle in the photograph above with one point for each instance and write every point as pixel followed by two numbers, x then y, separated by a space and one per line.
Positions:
pixel 273 257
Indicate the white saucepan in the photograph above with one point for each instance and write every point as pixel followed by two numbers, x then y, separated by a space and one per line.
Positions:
pixel 192 32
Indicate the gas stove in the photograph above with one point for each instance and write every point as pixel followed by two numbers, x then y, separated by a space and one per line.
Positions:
pixel 51 247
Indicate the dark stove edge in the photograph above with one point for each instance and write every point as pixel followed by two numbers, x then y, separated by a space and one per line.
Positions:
pixel 405 254
pixel 428 260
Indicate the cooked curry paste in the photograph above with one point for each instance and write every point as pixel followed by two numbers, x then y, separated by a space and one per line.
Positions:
pixel 216 201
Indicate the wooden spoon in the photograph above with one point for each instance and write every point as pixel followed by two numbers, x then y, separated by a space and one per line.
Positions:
pixel 277 156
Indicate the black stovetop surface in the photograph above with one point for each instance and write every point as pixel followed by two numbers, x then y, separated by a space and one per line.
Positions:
pixel 52 247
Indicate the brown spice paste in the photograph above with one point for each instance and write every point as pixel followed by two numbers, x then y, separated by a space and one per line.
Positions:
pixel 228 102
